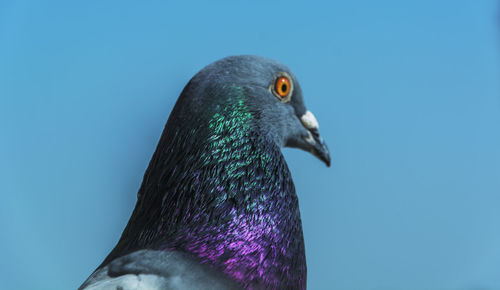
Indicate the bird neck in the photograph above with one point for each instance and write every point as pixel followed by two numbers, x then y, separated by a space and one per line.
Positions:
pixel 223 193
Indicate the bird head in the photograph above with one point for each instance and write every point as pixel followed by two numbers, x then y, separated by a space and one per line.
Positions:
pixel 272 95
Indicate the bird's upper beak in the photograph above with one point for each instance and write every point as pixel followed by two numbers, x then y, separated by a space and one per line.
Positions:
pixel 318 146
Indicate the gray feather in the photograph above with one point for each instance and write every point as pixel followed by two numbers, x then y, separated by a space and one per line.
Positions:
pixel 148 269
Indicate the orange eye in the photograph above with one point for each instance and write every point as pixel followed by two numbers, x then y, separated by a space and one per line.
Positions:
pixel 282 86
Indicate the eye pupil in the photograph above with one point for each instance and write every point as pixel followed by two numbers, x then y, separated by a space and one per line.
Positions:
pixel 284 88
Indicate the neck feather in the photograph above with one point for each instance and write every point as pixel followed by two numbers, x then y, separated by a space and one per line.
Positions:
pixel 224 194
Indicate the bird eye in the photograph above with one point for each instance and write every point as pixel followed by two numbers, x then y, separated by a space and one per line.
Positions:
pixel 283 87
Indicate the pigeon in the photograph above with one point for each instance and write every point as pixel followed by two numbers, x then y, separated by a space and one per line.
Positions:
pixel 217 207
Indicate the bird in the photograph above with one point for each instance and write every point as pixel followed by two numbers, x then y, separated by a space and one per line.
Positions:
pixel 217 207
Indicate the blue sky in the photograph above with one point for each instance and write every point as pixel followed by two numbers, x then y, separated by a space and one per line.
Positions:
pixel 407 96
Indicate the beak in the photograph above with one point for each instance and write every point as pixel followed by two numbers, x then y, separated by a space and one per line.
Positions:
pixel 318 145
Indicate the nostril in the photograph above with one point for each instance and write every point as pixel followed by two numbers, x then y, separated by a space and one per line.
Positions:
pixel 314 132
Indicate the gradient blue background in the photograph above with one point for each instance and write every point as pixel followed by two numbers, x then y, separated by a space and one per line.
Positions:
pixel 407 95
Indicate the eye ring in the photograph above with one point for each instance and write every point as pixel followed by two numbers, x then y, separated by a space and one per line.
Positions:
pixel 282 87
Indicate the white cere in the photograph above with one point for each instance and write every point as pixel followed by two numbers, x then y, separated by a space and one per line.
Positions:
pixel 309 121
